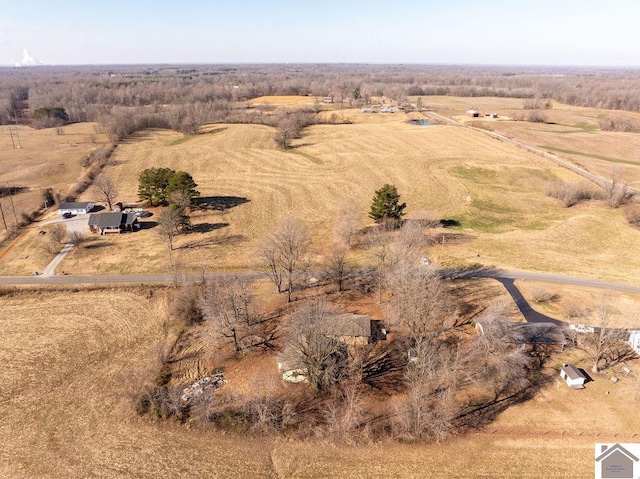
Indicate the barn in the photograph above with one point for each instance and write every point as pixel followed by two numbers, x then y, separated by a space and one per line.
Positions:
pixel 74 208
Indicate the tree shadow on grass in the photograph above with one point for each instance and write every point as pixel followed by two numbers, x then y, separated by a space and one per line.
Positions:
pixel 219 203
pixel 216 241
pixel 146 225
pixel 207 227
pixel 480 413
pixel 95 245
pixel 449 223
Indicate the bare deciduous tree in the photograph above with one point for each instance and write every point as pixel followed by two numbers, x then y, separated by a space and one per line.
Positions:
pixel 312 347
pixel 338 265
pixel 348 223
pixel 231 310
pixel 283 253
pixel 170 221
pixel 605 347
pixel 58 233
pixel 616 193
pixel 105 189
pixel 76 238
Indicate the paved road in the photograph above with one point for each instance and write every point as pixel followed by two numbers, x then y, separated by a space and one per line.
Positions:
pixel 474 273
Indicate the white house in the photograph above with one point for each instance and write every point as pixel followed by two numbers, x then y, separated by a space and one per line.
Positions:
pixel 75 208
pixel 573 376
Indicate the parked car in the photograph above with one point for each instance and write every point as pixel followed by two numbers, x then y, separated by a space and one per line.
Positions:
pixel 67 215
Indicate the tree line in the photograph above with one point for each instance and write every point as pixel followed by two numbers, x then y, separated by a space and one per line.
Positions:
pixel 216 92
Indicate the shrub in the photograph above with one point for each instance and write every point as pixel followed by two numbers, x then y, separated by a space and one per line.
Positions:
pixel 569 193
pixel 536 116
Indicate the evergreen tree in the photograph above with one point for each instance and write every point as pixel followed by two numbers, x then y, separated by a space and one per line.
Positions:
pixel 182 182
pixel 386 205
pixel 153 183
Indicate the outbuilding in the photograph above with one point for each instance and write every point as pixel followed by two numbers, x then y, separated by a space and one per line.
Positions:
pixel 573 376
pixel 74 208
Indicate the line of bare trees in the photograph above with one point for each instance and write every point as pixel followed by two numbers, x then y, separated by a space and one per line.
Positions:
pixel 214 92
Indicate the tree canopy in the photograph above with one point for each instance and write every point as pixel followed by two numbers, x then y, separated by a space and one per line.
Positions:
pixel 156 185
pixel 386 205
pixel 181 181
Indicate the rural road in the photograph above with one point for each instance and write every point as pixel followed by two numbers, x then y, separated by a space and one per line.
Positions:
pixel 543 278
pixel 475 273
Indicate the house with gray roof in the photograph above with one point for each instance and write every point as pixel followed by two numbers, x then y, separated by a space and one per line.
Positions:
pixel 113 223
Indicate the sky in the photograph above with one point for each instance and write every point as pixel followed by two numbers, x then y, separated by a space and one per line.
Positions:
pixel 495 32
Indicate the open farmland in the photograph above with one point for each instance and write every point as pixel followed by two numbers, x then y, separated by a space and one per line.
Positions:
pixel 571 132
pixel 493 190
pixel 44 159
pixel 67 411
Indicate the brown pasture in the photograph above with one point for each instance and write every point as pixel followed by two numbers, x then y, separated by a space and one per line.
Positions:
pixel 493 190
pixel 44 159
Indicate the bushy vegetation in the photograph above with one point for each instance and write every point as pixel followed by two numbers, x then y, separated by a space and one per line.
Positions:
pixel 439 375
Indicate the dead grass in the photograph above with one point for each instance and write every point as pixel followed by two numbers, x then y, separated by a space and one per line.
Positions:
pixel 625 307
pixel 45 159
pixel 493 190
pixel 71 360
pixel 335 164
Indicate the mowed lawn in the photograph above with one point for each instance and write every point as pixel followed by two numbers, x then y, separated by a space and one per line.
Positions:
pixel 72 359
pixel 332 165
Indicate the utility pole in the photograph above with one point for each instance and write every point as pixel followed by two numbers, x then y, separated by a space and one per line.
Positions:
pixel 3 220
pixel 15 216
pixel 18 139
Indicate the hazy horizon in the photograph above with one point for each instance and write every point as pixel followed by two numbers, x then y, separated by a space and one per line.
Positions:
pixel 561 33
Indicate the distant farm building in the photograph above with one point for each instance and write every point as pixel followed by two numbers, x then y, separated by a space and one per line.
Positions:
pixel 75 208
pixel 113 223
pixel 573 376
pixel 327 99
pixel 473 113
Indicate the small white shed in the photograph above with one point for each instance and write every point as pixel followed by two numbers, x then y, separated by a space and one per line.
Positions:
pixel 573 376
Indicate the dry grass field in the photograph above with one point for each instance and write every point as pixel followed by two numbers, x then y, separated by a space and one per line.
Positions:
pixel 331 165
pixel 66 406
pixel 571 132
pixel 493 191
pixel 44 159
pixel 625 308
